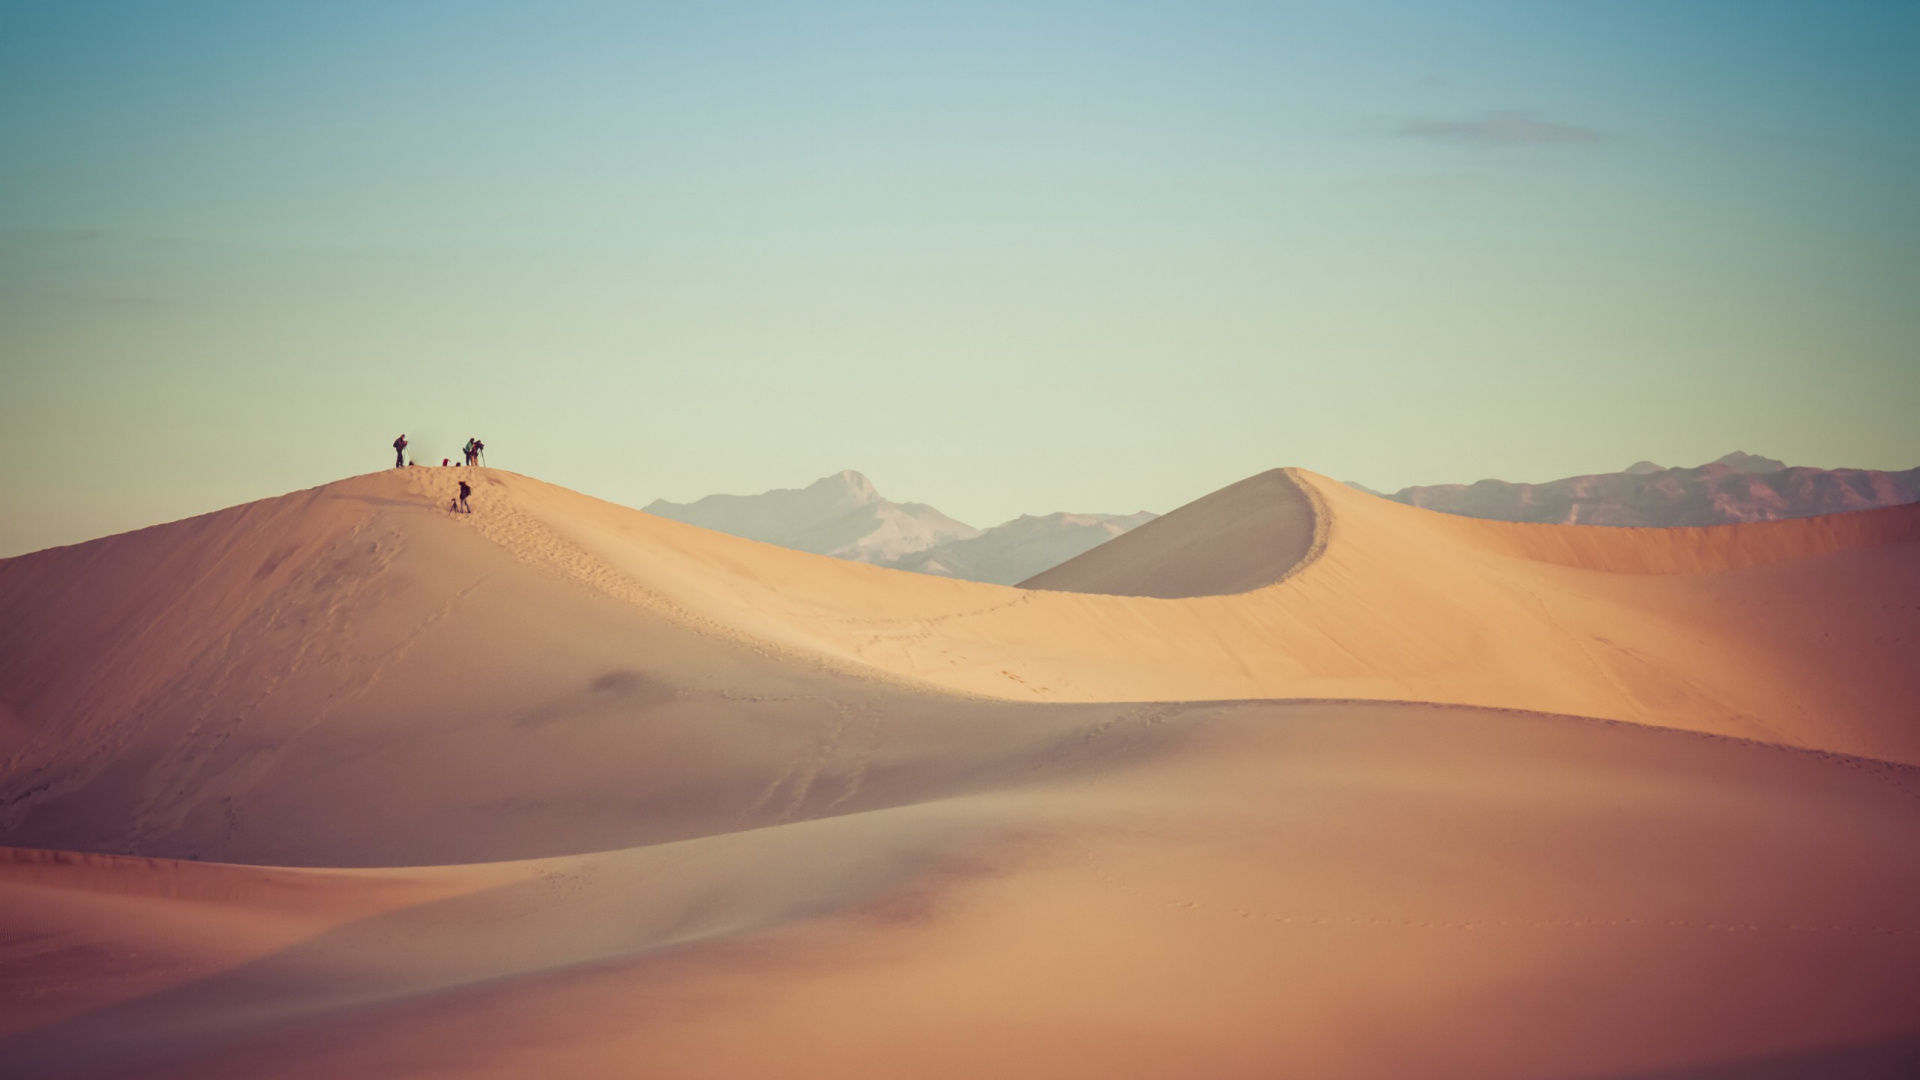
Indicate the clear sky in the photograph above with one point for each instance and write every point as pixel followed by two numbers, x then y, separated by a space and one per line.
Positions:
pixel 1003 258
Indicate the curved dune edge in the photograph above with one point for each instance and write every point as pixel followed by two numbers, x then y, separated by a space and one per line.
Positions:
pixel 1247 536
pixel 1139 562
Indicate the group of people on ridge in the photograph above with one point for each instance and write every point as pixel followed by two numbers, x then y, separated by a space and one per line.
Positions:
pixel 473 449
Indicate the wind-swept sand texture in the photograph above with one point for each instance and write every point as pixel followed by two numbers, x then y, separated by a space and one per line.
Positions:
pixel 560 788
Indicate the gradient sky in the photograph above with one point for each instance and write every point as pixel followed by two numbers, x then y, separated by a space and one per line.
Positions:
pixel 1003 258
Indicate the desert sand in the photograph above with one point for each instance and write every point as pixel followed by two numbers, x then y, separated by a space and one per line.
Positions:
pixel 1293 781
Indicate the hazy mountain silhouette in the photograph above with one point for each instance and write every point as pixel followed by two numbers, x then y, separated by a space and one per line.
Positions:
pixel 839 515
pixel 1754 464
pixel 1737 487
pixel 844 516
pixel 1013 552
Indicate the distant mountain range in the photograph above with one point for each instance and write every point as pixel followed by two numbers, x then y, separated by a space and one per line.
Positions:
pixel 839 515
pixel 1013 552
pixel 845 517
pixel 1737 487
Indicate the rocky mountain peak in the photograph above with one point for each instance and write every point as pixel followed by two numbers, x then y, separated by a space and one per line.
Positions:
pixel 1752 464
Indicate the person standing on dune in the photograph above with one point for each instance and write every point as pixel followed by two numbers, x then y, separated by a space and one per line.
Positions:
pixel 400 452
pixel 462 503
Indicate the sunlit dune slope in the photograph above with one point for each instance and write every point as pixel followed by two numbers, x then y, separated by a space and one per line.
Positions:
pixel 352 676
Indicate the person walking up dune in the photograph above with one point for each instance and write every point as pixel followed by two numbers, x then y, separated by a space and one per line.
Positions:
pixel 462 501
pixel 400 452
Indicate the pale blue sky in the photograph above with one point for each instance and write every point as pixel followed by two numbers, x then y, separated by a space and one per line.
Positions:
pixel 1003 258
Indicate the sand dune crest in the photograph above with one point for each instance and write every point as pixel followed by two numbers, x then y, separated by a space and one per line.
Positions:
pixel 1248 535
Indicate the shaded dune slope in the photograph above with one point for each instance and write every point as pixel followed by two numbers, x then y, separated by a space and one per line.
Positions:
pixel 1240 538
pixel 574 786
pixel 1482 894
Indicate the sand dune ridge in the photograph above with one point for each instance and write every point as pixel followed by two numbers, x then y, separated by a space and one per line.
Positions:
pixel 342 783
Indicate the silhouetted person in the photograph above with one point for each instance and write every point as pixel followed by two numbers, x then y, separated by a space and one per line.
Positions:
pixel 479 450
pixel 400 452
pixel 464 492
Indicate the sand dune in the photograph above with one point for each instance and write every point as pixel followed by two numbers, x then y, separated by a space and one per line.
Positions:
pixel 1243 537
pixel 1292 781
pixel 1400 604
